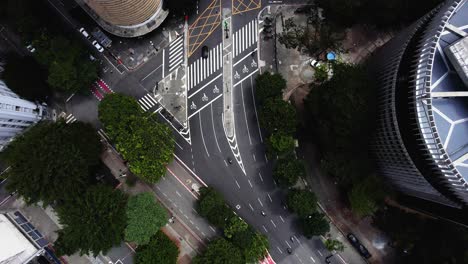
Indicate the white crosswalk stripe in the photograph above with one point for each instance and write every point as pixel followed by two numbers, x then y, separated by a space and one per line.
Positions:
pixel 147 102
pixel 176 52
pixel 201 69
pixel 70 119
pixel 245 37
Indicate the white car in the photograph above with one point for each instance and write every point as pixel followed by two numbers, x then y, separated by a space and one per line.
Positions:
pixel 83 32
pixel 98 46
pixel 314 63
pixel 30 48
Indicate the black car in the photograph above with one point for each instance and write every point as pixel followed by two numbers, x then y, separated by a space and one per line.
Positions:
pixel 357 244
pixel 204 52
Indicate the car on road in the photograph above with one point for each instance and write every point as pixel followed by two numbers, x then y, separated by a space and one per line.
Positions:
pixel 84 33
pixel 289 250
pixel 357 244
pixel 204 52
pixel 314 63
pixel 98 46
pixel 30 48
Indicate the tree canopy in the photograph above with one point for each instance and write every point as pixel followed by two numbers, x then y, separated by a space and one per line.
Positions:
pixel 235 225
pixel 144 217
pixel 93 223
pixel 288 170
pixel 33 88
pixel 277 115
pixel 69 67
pixel 302 202
pixel 211 205
pixel 220 251
pixel 268 85
pixel 159 250
pixel 366 195
pixel 146 144
pixel 51 162
pixel 278 144
pixel 332 244
pixel 314 225
pixel 253 244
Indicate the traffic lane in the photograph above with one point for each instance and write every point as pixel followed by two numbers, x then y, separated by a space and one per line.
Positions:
pixel 182 205
pixel 147 70
pixel 204 96
pixel 244 68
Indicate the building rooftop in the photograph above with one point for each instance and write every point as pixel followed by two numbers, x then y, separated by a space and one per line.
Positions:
pixel 449 89
pixel 14 246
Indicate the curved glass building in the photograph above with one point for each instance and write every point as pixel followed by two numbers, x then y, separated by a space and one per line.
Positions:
pixel 421 139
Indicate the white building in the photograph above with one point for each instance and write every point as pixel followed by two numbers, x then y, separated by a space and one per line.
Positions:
pixel 15 247
pixel 16 114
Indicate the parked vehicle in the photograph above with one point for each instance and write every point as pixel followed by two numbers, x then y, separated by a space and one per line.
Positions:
pixel 357 244
pixel 204 52
pixel 30 48
pixel 98 46
pixel 84 33
pixel 314 63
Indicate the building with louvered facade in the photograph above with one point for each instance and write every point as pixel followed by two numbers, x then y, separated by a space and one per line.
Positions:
pixel 421 141
pixel 126 18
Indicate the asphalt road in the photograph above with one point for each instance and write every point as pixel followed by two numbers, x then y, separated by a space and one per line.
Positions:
pixel 249 191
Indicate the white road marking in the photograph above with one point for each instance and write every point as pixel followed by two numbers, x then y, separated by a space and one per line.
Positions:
pixel 250 184
pixel 245 115
pixel 279 250
pixel 341 258
pixel 212 80
pixel 203 138
pixel 178 194
pixel 255 109
pixel 248 55
pixel 260 202
pixel 251 207
pixel 243 79
pixel 269 197
pixel 237 184
pixel 212 229
pixel 261 178
pixel 212 123
pixel 281 218
pixel 320 253
pixel 312 259
pixel 151 72
pixel 253 156
pixel 207 104
pixel 287 243
pixel 273 223
pixel 264 228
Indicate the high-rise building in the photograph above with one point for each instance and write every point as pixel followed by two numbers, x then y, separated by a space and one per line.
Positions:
pixel 126 18
pixel 16 114
pixel 421 139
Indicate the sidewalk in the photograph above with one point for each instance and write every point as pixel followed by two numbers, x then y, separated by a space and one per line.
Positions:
pixel 332 203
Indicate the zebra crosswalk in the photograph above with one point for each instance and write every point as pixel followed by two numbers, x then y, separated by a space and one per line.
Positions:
pixel 202 68
pixel 70 119
pixel 245 37
pixel 149 101
pixel 176 52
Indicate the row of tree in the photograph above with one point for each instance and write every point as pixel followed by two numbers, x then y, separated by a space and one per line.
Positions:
pixel 55 163
pixel 240 244
pixel 340 114
pixel 279 120
pixel 147 145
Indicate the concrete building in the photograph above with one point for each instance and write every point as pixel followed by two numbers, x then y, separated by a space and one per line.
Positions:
pixel 15 247
pixel 126 18
pixel 421 139
pixel 16 114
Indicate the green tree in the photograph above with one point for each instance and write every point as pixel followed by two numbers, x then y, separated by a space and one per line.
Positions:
pixel 146 144
pixel 51 162
pixel 302 202
pixel 33 88
pixel 314 225
pixel 159 250
pixel 94 222
pixel 211 205
pixel 268 85
pixel 277 115
pixel 220 251
pixel 235 225
pixel 279 144
pixel 321 73
pixel 288 170
pixel 144 217
pixel 253 244
pixel 334 245
pixel 366 196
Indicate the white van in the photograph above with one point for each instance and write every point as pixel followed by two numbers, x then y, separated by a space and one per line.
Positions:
pixel 83 32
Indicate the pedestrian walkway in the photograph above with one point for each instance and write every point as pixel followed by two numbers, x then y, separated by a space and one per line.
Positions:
pixel 176 52
pixel 149 101
pixel 245 37
pixel 202 68
pixel 70 119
